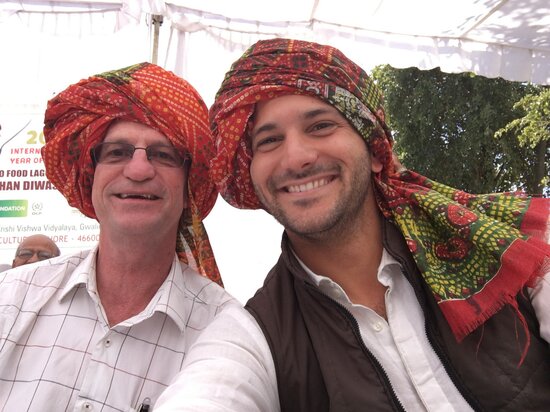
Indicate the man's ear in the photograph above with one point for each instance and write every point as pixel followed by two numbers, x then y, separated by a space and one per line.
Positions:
pixel 376 165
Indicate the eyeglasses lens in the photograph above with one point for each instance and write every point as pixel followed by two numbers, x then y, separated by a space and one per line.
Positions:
pixel 26 254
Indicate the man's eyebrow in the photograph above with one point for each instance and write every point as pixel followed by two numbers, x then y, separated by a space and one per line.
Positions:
pixel 316 112
pixel 307 115
pixel 264 128
pixel 116 139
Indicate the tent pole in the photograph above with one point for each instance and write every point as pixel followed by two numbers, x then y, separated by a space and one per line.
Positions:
pixel 156 20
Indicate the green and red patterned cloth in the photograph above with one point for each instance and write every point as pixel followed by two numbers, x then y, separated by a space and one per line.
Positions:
pixel 77 119
pixel 476 252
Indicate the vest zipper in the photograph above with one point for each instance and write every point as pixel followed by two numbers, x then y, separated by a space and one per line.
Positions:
pixel 357 333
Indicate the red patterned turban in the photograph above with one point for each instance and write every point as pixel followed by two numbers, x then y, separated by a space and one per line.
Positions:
pixel 476 252
pixel 77 119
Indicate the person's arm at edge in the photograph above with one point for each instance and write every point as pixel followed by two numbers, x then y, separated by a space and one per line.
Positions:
pixel 540 299
pixel 228 368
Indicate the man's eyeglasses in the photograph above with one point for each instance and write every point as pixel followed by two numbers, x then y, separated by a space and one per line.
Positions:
pixel 119 153
pixel 26 254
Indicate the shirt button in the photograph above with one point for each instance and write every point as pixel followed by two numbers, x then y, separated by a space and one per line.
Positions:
pixel 377 326
pixel 107 343
pixel 88 406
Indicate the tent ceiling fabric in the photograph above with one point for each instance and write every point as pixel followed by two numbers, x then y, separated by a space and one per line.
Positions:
pixel 494 38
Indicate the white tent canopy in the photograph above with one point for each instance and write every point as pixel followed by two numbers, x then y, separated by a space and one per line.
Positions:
pixel 60 41
pixel 47 45
pixel 494 38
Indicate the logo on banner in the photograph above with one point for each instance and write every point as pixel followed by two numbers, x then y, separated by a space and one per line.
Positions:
pixel 13 208
pixel 37 208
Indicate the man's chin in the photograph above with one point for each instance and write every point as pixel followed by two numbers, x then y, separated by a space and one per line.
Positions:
pixel 307 226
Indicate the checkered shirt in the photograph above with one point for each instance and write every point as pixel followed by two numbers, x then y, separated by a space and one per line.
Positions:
pixel 57 351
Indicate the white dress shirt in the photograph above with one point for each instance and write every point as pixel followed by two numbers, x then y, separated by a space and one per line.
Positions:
pixel 400 344
pixel 230 367
pixel 57 351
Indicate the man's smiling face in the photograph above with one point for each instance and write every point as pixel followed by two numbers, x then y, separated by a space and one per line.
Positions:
pixel 138 197
pixel 310 168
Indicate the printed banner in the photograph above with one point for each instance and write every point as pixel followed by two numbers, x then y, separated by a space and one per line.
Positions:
pixel 29 203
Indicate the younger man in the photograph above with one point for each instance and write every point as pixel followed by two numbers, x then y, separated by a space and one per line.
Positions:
pixel 393 292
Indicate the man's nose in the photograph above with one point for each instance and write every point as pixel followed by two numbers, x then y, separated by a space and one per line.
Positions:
pixel 139 167
pixel 299 151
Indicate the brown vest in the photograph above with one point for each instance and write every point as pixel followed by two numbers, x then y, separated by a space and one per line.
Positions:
pixel 323 365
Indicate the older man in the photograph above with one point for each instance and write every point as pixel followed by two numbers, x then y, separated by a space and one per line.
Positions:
pixel 35 248
pixel 107 329
pixel 392 292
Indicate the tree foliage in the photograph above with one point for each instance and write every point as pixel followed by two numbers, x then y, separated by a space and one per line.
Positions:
pixel 444 127
pixel 533 130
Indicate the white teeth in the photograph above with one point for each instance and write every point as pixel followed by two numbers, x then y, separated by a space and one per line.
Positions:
pixel 307 186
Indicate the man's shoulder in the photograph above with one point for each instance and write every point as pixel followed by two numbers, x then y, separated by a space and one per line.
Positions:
pixel 47 275
pixel 193 301
pixel 200 288
pixel 26 289
pixel 280 278
pixel 44 273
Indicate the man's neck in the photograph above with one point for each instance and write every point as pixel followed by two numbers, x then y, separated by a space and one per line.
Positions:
pixel 129 274
pixel 350 259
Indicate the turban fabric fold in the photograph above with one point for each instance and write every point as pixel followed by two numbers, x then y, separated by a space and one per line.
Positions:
pixel 78 118
pixel 476 252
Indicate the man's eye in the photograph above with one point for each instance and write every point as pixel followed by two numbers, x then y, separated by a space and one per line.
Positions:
pixel 116 153
pixel 266 143
pixel 322 126
pixel 112 152
pixel 44 255
pixel 166 156
pixel 162 154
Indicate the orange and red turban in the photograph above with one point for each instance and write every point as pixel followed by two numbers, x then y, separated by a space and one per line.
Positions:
pixel 476 252
pixel 77 119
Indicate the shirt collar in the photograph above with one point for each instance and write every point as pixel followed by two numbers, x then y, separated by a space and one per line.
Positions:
pixel 169 299
pixel 386 270
pixel 82 273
